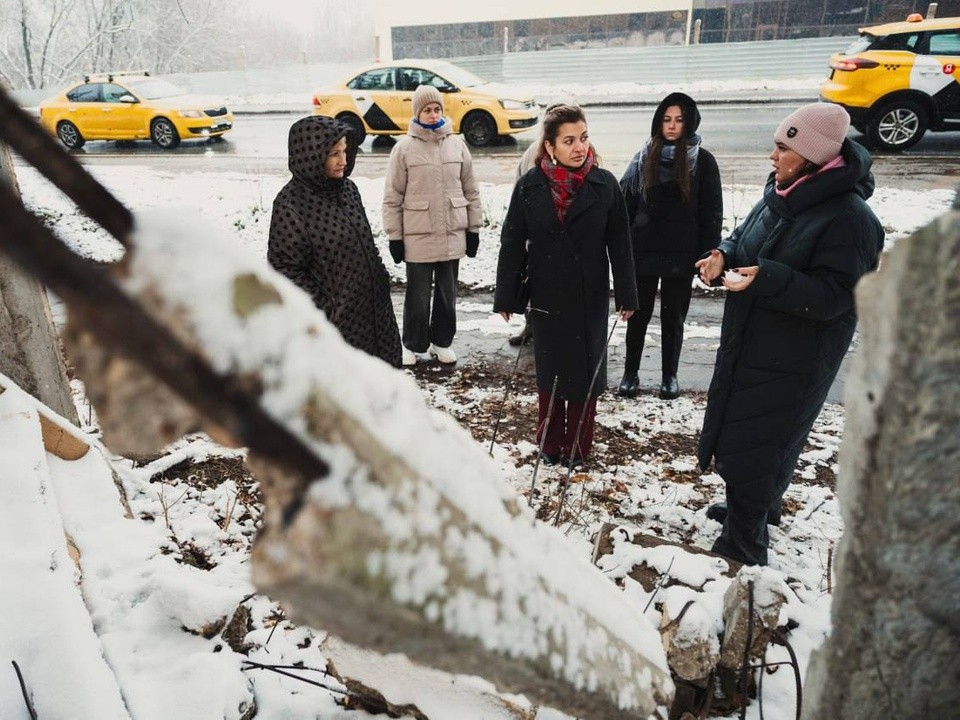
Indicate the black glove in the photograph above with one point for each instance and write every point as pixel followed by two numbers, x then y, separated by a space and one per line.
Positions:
pixel 396 251
pixel 473 242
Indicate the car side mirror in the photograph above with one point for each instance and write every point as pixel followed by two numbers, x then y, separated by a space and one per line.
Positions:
pixel 127 99
pixel 448 88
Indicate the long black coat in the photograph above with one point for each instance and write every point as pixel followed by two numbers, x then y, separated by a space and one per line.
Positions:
pixel 783 338
pixel 321 240
pixel 668 233
pixel 568 265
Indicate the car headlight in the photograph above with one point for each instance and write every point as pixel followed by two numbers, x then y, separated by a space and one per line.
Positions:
pixel 513 104
pixel 191 113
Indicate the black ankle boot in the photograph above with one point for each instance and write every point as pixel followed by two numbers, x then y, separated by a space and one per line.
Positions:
pixel 670 388
pixel 717 512
pixel 523 337
pixel 629 386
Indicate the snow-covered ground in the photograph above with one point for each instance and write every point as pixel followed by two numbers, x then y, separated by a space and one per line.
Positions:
pixel 153 589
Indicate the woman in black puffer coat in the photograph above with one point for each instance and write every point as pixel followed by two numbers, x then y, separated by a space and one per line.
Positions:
pixel 321 240
pixel 789 317
pixel 675 205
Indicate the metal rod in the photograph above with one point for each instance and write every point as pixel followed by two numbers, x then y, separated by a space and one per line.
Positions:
pixel 543 437
pixel 583 414
pixel 503 403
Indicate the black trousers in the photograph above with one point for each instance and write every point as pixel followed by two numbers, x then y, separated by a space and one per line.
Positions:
pixel 423 325
pixel 674 305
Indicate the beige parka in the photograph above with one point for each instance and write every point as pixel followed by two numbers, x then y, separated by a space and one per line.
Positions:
pixel 430 197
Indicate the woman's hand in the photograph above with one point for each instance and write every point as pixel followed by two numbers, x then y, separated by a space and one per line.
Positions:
pixel 626 314
pixel 505 315
pixel 735 284
pixel 710 267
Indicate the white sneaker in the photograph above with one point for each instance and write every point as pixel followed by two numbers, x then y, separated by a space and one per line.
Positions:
pixel 443 354
pixel 409 357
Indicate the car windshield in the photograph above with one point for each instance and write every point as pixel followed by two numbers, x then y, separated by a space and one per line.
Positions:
pixel 457 75
pixel 154 88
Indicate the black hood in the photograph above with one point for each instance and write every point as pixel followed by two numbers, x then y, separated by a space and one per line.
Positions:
pixel 691 115
pixel 309 144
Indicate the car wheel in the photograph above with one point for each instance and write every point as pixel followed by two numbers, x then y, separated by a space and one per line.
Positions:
pixel 69 135
pixel 479 129
pixel 164 134
pixel 356 123
pixel 897 125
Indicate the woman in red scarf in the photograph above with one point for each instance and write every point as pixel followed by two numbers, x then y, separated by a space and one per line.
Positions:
pixel 565 229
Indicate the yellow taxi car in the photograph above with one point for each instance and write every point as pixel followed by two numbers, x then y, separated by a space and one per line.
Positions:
pixel 132 106
pixel 378 101
pixel 899 80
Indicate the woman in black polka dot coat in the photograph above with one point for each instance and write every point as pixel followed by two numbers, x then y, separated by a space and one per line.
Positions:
pixel 321 240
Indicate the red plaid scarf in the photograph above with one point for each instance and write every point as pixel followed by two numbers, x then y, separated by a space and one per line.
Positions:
pixel 564 182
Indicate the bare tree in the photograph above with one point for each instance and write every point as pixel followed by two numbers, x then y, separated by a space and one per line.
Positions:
pixel 29 346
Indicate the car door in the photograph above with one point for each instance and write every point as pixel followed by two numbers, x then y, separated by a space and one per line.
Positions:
pixel 122 120
pixel 939 72
pixel 375 95
pixel 83 110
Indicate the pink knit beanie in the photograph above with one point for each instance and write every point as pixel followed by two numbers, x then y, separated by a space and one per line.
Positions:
pixel 423 96
pixel 815 131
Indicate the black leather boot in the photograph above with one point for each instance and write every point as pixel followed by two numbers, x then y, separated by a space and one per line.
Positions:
pixel 522 337
pixel 718 512
pixel 670 388
pixel 629 386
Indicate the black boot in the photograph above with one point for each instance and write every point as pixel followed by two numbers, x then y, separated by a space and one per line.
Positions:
pixel 523 337
pixel 629 386
pixel 670 389
pixel 718 512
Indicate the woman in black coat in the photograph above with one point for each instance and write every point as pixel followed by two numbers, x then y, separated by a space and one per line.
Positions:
pixel 791 267
pixel 565 229
pixel 321 240
pixel 675 205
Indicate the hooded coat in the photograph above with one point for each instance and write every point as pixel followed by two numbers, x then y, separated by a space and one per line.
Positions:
pixel 568 266
pixel 668 232
pixel 430 195
pixel 321 240
pixel 783 338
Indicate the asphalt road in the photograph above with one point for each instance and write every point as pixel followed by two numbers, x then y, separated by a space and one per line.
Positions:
pixel 739 135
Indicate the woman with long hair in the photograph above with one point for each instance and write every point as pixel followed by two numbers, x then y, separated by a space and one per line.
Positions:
pixel 675 205
pixel 565 229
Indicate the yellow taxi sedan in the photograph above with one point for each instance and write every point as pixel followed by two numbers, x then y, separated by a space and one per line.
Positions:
pixel 378 101
pixel 899 80
pixel 132 106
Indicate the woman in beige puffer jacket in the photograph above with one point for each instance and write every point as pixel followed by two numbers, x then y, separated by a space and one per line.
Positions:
pixel 432 216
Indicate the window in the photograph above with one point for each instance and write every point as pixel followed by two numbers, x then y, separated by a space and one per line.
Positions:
pixel 946 43
pixel 380 79
pixel 85 93
pixel 900 41
pixel 113 93
pixel 410 78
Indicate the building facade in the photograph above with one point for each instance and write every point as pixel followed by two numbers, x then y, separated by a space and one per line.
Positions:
pixel 498 26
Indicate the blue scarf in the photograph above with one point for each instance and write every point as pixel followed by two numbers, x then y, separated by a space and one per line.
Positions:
pixel 438 124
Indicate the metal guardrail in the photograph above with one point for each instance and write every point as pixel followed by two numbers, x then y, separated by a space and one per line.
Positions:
pixel 764 59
